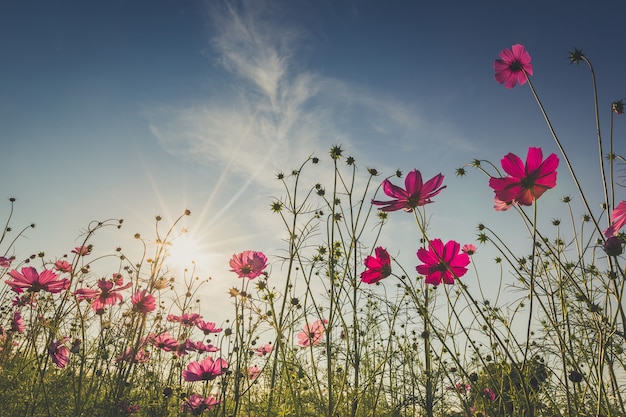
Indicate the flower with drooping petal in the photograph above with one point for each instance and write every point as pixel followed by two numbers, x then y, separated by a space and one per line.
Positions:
pixel 378 267
pixel 17 324
pixel 525 183
pixel 59 353
pixel 206 370
pixel 618 219
pixel 63 266
pixel 107 294
pixel 29 279
pixel 6 262
pixel 513 66
pixel 442 263
pixel 417 193
pixel 207 327
pixel 248 264
pixel 187 319
pixel 312 334
pixel 143 302
pixel 500 205
pixel 469 249
pixel 264 350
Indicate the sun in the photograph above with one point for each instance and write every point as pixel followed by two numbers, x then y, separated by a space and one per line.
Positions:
pixel 187 251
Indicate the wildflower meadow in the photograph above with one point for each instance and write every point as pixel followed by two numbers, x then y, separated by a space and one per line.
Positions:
pixel 333 323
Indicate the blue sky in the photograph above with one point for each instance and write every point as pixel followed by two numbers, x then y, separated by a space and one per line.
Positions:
pixel 129 109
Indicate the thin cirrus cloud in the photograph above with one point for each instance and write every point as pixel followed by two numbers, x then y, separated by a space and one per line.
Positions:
pixel 276 113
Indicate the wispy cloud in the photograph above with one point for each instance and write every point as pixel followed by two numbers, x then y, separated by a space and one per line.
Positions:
pixel 278 113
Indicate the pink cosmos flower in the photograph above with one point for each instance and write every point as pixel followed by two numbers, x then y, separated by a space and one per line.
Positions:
pixel 63 266
pixel 17 324
pixel 199 346
pixel 264 350
pixel 32 281
pixel 618 219
pixel 618 106
pixel 489 394
pixel 143 302
pixel 442 263
pixel 416 193
pixel 187 319
pixel 82 250
pixel 196 404
pixel 129 355
pixel 6 262
pixel 164 341
pixel 207 327
pixel 248 264
pixel 312 334
pixel 525 183
pixel 28 299
pixel 500 205
pixel 513 66
pixel 59 353
pixel 107 294
pixel 469 249
pixel 378 267
pixel 128 409
pixel 253 372
pixel 207 370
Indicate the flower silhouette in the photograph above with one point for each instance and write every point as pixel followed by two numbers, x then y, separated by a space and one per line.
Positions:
pixel 525 183
pixel 416 193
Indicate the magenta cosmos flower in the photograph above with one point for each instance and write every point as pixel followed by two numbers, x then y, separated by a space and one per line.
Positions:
pixel 618 219
pixel 206 370
pixel 378 267
pixel 107 293
pixel 525 183
pixel 196 404
pixel 163 341
pixel 187 319
pixel 63 266
pixel 143 302
pixel 6 262
pixel 442 263
pixel 207 327
pixel 59 353
pixel 264 350
pixel 312 334
pixel 17 324
pixel 248 264
pixel 513 66
pixel 416 193
pixel 29 279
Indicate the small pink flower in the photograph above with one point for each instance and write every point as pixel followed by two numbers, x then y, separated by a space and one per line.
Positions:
pixel 17 324
pixel 248 264
pixel 513 66
pixel 199 346
pixel 416 193
pixel 129 355
pixel 107 294
pixel 6 262
pixel 618 106
pixel 63 266
pixel 442 263
pixel 253 372
pixel 264 350
pixel 28 299
pixel 187 319
pixel 207 370
pixel 469 249
pixel 207 327
pixel 143 302
pixel 59 353
pixel 378 267
pixel 312 334
pixel 82 250
pixel 196 404
pixel 164 341
pixel 500 205
pixel 525 183
pixel 32 281
pixel 618 219
pixel 128 409
pixel 489 394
